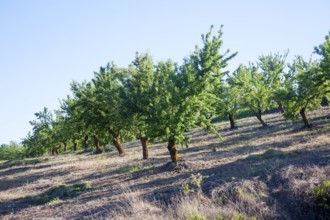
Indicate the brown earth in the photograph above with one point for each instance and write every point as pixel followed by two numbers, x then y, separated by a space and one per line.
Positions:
pixel 255 172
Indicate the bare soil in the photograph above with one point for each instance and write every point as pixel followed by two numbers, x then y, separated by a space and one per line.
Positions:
pixel 267 173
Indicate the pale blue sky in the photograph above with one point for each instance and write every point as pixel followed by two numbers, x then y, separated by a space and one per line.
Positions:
pixel 46 44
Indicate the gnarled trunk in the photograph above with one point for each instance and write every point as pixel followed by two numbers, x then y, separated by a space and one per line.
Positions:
pixel 144 143
pixel 325 101
pixel 98 149
pixel 304 118
pixel 281 107
pixel 173 150
pixel 116 141
pixel 85 142
pixel 258 115
pixel 55 150
pixel 119 147
pixel 65 146
pixel 74 146
pixel 232 121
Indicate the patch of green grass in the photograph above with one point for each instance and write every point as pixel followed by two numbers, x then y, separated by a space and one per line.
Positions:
pixel 60 192
pixel 133 168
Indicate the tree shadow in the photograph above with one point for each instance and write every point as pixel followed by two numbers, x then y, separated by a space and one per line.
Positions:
pixel 24 162
pixel 22 180
pixel 22 169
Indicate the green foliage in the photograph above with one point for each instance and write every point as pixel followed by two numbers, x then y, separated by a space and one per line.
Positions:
pixel 195 216
pixel 43 138
pixel 194 184
pixel 219 217
pixel 304 88
pixel 272 67
pixel 256 95
pixel 323 194
pixel 256 87
pixel 11 151
pixel 230 97
pixel 324 51
pixel 142 97
pixel 187 93
pixel 164 100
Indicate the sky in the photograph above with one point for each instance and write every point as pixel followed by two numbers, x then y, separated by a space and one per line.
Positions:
pixel 45 45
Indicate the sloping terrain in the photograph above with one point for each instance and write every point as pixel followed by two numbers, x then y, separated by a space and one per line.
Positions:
pixel 278 172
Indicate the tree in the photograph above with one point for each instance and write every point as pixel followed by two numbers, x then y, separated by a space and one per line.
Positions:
pixel 111 107
pixel 272 67
pixel 256 95
pixel 186 94
pixel 141 98
pixel 73 127
pixel 324 51
pixel 230 97
pixel 305 88
pixel 101 107
pixel 43 138
pixel 87 107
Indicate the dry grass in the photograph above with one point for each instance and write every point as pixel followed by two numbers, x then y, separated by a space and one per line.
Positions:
pixel 258 173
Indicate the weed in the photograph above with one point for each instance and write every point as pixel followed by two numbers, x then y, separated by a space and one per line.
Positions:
pixel 195 216
pixel 133 168
pixel 54 201
pixel 323 194
pixel 219 217
pixel 186 188
pixel 194 184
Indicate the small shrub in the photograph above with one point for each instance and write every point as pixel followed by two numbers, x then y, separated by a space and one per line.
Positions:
pixel 323 194
pixel 11 151
pixel 194 184
pixel 132 169
pixel 54 201
pixel 195 216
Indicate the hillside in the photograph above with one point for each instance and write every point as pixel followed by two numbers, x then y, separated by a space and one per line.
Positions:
pixel 278 172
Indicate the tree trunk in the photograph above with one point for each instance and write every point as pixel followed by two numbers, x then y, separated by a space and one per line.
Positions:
pixel 55 150
pixel 304 118
pixel 325 101
pixel 97 144
pixel 65 146
pixel 281 107
pixel 119 147
pixel 258 115
pixel 144 143
pixel 74 146
pixel 173 150
pixel 85 142
pixel 232 121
